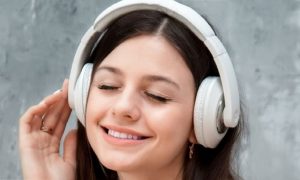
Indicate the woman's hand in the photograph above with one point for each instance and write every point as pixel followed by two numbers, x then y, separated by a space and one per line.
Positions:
pixel 40 132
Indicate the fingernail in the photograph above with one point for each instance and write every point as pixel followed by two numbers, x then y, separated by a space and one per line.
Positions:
pixel 42 102
pixel 58 91
pixel 65 81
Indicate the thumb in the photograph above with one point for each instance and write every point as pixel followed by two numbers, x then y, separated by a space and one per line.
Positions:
pixel 70 145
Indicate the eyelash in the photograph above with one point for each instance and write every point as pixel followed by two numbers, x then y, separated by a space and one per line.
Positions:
pixel 107 87
pixel 150 95
pixel 157 98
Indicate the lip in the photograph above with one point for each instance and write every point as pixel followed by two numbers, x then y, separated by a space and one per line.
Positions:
pixel 118 141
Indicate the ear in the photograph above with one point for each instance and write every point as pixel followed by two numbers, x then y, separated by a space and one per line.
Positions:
pixel 192 137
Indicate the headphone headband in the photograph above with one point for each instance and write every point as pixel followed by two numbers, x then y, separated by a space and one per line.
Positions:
pixel 188 17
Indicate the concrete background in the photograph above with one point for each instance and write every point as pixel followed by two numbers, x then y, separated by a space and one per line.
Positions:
pixel 38 39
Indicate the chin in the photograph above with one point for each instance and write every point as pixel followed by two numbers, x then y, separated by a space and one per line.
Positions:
pixel 119 167
pixel 117 164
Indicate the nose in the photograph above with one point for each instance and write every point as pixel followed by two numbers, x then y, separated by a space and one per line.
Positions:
pixel 126 106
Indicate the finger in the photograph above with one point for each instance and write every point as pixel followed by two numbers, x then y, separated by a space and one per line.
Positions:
pixel 52 116
pixel 70 144
pixel 61 124
pixel 65 88
pixel 60 127
pixel 37 110
pixel 36 123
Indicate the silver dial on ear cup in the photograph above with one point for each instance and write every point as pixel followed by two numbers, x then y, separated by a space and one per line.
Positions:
pixel 220 121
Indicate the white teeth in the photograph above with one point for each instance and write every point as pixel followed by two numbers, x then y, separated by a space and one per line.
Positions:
pixel 122 135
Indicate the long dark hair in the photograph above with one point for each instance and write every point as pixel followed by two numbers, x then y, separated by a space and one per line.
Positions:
pixel 209 164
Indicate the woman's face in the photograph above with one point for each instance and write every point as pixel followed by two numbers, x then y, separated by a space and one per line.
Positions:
pixel 140 106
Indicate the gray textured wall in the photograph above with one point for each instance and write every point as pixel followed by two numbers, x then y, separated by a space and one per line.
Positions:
pixel 38 39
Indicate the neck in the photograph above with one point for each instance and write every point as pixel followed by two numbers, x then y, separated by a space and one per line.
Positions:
pixel 150 175
pixel 171 171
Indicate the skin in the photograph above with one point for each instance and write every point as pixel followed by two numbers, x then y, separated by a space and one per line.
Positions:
pixel 127 96
pixel 39 151
pixel 136 105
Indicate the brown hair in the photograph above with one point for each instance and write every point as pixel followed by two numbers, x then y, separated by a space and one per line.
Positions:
pixel 209 164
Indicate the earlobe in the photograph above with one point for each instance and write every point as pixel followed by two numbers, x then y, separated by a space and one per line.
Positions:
pixel 192 137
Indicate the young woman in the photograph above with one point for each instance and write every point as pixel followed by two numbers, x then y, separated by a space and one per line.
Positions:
pixel 147 69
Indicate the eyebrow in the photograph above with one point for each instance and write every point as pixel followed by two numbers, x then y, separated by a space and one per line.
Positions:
pixel 109 69
pixel 151 78
pixel 155 78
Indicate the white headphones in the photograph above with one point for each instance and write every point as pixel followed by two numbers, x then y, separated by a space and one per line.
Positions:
pixel 217 105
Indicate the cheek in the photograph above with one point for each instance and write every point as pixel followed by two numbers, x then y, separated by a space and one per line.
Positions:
pixel 173 122
pixel 97 107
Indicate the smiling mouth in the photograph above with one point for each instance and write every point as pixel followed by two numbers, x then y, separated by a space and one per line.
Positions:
pixel 122 135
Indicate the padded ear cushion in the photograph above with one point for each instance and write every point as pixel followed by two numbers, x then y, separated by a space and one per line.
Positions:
pixel 207 102
pixel 81 91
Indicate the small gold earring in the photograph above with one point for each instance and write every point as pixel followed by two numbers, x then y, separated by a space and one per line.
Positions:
pixel 191 150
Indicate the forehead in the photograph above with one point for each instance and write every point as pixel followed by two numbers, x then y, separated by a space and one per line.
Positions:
pixel 146 50
pixel 148 54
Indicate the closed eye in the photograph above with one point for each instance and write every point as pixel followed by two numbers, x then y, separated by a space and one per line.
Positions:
pixel 107 87
pixel 157 98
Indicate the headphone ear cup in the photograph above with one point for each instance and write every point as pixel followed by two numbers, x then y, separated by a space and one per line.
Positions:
pixel 209 100
pixel 81 91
